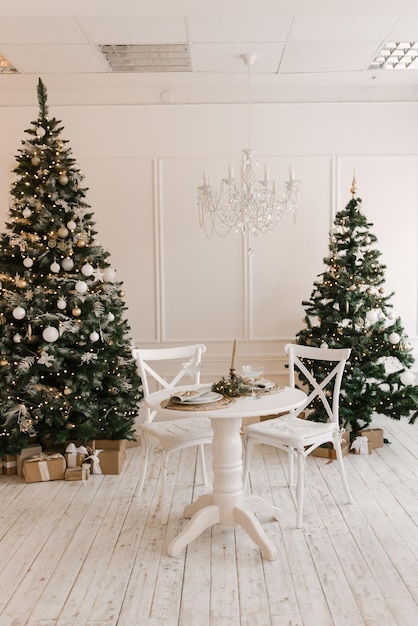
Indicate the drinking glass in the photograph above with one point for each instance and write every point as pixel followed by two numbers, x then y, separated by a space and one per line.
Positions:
pixel 252 372
pixel 192 369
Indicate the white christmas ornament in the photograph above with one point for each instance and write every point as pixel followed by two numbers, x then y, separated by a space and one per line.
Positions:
pixel 55 267
pixel 71 225
pixel 109 275
pixel 61 303
pixel 87 269
pixel 27 262
pixel 50 334
pixel 26 212
pixel 68 264
pixel 407 378
pixel 323 345
pixel 394 338
pixel 19 313
pixel 371 316
pixel 17 338
pixel 110 316
pixel 94 336
pixel 40 131
pixel 81 286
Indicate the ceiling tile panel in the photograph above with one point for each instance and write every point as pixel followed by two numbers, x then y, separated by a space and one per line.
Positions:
pixel 44 30
pixel 342 56
pixel 207 57
pixel 239 29
pixel 133 29
pixel 54 59
pixel 338 28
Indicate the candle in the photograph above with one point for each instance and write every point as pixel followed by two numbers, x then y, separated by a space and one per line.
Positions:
pixel 266 173
pixel 205 179
pixel 230 171
pixel 233 354
pixel 291 173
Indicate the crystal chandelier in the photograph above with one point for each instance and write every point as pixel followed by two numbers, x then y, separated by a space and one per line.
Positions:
pixel 252 207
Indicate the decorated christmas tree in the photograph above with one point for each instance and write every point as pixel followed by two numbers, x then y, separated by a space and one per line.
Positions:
pixel 66 368
pixel 349 308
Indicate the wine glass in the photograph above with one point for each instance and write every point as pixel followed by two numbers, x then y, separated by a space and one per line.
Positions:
pixel 252 372
pixel 192 368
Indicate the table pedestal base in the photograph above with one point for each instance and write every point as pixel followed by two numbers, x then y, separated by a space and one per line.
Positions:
pixel 227 504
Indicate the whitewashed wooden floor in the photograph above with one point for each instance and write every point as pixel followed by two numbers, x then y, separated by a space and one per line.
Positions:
pixel 74 554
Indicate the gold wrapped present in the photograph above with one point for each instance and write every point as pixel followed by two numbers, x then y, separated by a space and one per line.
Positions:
pixel 77 473
pixel 44 467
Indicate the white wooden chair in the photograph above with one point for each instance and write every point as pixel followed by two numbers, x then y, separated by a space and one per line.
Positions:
pixel 298 436
pixel 168 436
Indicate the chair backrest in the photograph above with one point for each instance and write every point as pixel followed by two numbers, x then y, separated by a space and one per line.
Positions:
pixel 165 367
pixel 330 385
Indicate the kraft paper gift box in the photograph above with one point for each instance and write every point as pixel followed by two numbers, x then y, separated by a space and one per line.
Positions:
pixel 9 464
pixel 75 456
pixel 31 450
pixel 107 444
pixel 374 435
pixel 327 451
pixel 107 461
pixel 44 468
pixel 77 473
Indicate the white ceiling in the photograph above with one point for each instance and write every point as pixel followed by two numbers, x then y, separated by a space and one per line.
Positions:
pixel 316 58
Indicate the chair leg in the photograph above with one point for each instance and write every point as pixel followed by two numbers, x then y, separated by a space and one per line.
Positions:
pixel 300 488
pixel 290 475
pixel 341 467
pixel 163 478
pixel 201 455
pixel 249 444
pixel 146 448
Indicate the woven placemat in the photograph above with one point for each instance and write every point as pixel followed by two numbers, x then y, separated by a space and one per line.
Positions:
pixel 208 406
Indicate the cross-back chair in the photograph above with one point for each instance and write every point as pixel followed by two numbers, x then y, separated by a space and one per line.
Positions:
pixel 155 366
pixel 296 435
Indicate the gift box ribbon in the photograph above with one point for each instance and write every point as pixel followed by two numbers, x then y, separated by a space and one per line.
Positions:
pixel 71 450
pixel 95 462
pixel 361 445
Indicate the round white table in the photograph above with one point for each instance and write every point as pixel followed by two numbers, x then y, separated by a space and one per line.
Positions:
pixel 227 503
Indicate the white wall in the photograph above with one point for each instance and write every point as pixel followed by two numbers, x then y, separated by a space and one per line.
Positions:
pixel 142 165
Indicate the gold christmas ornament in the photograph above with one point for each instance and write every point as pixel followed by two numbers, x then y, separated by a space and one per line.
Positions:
pixel 121 294
pixel 4 362
pixel 69 426
pixel 62 232
pixel 63 180
pixel 81 243
pixel 22 283
pixel 76 311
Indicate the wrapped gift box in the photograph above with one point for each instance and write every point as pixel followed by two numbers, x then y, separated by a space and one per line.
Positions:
pixel 26 453
pixel 44 468
pixel 107 461
pixel 107 444
pixel 75 456
pixel 327 451
pixel 77 473
pixel 374 435
pixel 9 464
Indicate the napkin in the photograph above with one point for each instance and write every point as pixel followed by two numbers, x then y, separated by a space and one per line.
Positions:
pixel 190 395
pixel 263 383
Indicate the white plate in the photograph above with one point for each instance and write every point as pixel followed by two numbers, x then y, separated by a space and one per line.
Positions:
pixel 210 396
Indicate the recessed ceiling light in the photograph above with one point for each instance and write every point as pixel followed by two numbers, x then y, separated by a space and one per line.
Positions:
pixel 395 55
pixel 147 58
pixel 6 67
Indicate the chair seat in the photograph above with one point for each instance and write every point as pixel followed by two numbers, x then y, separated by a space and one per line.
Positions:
pixel 176 432
pixel 291 430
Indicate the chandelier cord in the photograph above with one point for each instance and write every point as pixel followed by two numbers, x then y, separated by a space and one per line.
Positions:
pixel 249 107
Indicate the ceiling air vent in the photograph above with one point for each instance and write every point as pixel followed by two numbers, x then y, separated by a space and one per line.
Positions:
pixel 147 58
